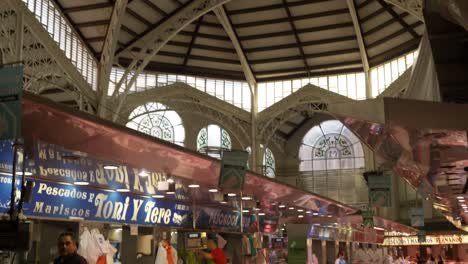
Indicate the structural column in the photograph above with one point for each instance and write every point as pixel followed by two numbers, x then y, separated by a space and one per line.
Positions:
pixel 368 83
pixel 19 36
pixel 253 133
pixel 108 54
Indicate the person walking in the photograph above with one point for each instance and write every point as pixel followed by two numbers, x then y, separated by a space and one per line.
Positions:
pixel 431 260
pixel 67 247
pixel 340 259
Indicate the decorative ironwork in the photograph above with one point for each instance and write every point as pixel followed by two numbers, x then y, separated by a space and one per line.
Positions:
pixel 184 99
pixel 157 120
pixel 225 140
pixel 333 146
pixel 202 140
pixel 330 146
pixel 212 140
pixel 157 126
pixel 413 7
pixel 269 163
pixel 155 39
pixel 45 65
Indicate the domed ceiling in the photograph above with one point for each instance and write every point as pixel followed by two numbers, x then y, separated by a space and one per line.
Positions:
pixel 281 39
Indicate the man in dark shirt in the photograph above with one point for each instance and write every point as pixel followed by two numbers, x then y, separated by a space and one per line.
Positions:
pixel 66 243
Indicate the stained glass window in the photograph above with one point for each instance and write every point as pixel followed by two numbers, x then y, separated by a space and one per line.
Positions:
pixel 157 120
pixel 212 140
pixel 268 163
pixel 332 163
pixel 249 150
pixel 330 146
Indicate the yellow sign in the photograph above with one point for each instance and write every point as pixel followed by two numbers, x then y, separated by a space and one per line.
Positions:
pixel 430 240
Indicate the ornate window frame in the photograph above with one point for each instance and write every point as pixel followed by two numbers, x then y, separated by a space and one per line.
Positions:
pixel 157 120
pixel 268 162
pixel 214 150
pixel 330 146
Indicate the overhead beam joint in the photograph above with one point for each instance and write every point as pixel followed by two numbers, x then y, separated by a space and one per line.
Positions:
pixel 296 36
pixel 152 42
pixel 108 52
pixel 228 28
pixel 362 46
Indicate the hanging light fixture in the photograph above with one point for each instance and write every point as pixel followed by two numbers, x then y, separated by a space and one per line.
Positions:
pixel 81 183
pixel 143 173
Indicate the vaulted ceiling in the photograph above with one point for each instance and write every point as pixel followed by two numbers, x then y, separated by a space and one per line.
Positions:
pixel 280 38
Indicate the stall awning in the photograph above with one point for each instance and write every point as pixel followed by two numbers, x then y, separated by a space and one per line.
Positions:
pixel 424 142
pixel 55 124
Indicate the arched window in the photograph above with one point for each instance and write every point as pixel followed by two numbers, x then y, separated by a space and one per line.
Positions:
pixel 157 120
pixel 268 163
pixel 212 140
pixel 330 146
pixel 332 162
pixel 249 150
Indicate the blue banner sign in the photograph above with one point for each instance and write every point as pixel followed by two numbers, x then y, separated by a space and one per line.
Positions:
pixel 54 200
pixel 213 218
pixel 55 163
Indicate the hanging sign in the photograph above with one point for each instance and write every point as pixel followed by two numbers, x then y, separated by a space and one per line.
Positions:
pixel 368 218
pixel 421 236
pixel 417 216
pixel 63 201
pixel 380 190
pixel 233 169
pixel 268 224
pixel 11 82
pixel 51 162
pixel 430 240
pixel 214 218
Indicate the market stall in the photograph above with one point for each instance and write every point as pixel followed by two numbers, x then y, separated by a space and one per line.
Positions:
pixel 137 194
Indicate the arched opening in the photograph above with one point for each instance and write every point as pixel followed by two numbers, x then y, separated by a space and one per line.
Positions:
pixel 212 140
pixel 268 162
pixel 332 162
pixel 159 121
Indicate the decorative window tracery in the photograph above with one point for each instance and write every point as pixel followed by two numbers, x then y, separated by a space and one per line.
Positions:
pixel 332 162
pixel 212 140
pixel 268 163
pixel 330 146
pixel 157 120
